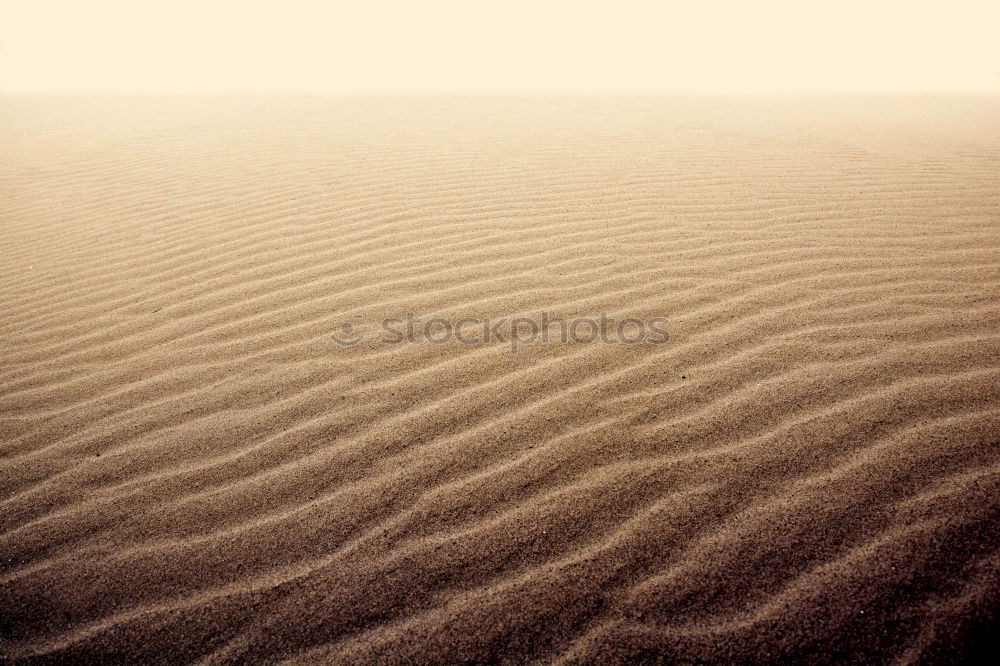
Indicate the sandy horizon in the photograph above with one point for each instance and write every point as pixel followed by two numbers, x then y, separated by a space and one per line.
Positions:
pixel 196 467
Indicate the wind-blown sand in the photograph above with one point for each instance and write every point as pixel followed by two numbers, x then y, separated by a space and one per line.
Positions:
pixel 191 470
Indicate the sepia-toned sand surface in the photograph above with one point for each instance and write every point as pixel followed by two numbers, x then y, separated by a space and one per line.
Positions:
pixel 192 470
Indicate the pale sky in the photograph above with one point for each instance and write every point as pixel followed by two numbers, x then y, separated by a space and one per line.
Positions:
pixel 429 46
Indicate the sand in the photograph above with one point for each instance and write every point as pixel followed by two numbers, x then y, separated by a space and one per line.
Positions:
pixel 192 470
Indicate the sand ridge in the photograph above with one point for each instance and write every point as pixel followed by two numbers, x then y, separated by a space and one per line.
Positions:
pixel 192 471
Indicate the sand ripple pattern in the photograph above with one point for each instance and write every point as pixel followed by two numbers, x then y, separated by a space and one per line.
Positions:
pixel 190 472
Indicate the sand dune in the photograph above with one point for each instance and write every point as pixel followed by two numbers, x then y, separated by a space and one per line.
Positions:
pixel 192 470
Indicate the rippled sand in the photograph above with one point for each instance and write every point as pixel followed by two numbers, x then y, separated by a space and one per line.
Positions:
pixel 191 469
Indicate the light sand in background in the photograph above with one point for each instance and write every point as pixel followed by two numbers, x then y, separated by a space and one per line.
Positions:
pixel 809 469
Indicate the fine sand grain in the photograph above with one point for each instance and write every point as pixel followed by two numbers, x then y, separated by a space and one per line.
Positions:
pixel 191 470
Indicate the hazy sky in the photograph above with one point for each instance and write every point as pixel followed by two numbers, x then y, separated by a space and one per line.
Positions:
pixel 502 47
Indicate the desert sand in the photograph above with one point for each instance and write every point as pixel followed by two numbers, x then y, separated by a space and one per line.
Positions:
pixel 193 471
